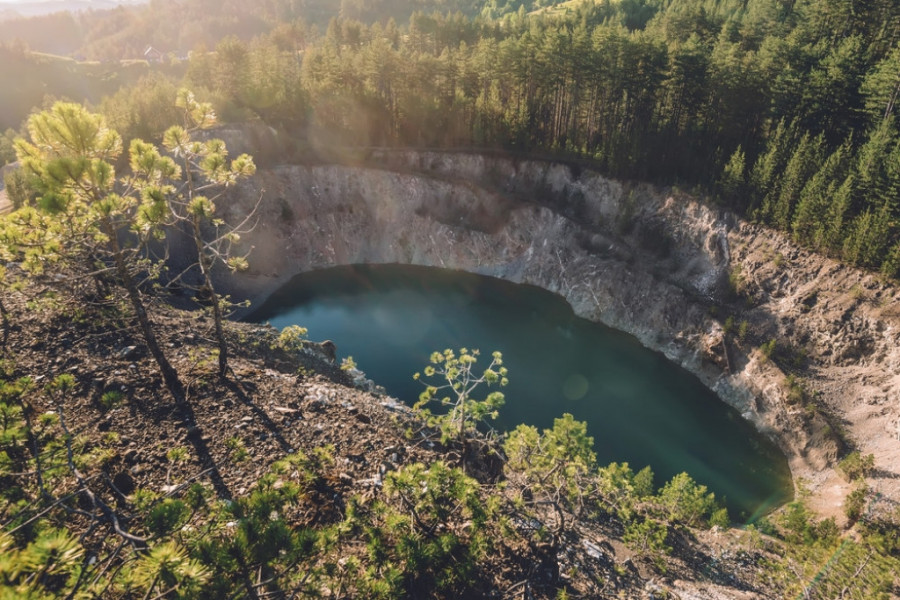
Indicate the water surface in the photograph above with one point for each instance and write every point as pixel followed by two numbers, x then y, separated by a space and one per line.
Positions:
pixel 640 407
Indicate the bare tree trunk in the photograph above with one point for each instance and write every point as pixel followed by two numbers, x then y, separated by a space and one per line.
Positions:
pixel 169 375
pixel 214 298
pixel 4 315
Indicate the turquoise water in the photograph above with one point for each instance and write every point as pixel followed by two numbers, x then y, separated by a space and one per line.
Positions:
pixel 640 408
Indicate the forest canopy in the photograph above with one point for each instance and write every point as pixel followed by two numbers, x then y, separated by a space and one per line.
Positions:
pixel 782 111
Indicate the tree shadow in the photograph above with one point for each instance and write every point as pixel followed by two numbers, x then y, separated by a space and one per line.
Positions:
pixel 884 474
pixel 238 389
pixel 201 448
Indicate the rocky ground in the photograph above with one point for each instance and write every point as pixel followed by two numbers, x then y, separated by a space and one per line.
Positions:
pixel 276 402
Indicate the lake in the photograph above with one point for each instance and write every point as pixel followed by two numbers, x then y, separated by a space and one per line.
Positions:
pixel 640 407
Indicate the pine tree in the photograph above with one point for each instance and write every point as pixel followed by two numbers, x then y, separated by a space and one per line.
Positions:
pixel 83 218
pixel 802 165
pixel 765 177
pixel 830 235
pixel 733 182
pixel 206 175
pixel 881 88
pixel 820 191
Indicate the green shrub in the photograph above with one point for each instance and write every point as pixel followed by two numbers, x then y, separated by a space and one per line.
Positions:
pixel 291 338
pixel 111 399
pixel 167 517
pixel 556 463
pixel 684 500
pixel 615 484
pixel 177 454
pixel 238 449
pixel 856 502
pixel 856 466
pixel 455 381
pixel 736 281
pixel 412 537
pixel 728 327
pixel 796 391
pixel 643 483
pixel 647 537
pixel 720 518
pixel 743 330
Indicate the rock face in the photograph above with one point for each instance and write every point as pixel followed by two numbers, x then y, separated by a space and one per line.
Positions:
pixel 654 263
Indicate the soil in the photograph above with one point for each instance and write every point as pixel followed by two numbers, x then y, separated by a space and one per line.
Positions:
pixel 277 402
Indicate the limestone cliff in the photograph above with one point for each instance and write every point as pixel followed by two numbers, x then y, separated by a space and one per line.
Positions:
pixel 655 263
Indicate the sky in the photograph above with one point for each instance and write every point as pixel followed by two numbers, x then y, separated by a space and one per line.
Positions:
pixel 79 3
pixel 17 2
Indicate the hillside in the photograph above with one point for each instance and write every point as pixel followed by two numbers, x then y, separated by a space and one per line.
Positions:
pixel 137 472
pixel 716 178
pixel 26 8
pixel 113 31
pixel 31 79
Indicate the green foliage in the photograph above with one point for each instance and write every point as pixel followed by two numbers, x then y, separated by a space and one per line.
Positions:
pixel 881 531
pixel 799 526
pixel 647 537
pixel 769 348
pixel 557 462
pixel 728 327
pixel 455 381
pixel 796 390
pixel 177 454
pixel 45 567
pixel 686 501
pixel 7 151
pixel 291 339
pixel 720 518
pixel 238 449
pixel 435 493
pixel 412 535
pixel 80 220
pixel 143 110
pixel 192 204
pixel 18 189
pixel 737 283
pixel 743 330
pixel 167 517
pixel 856 502
pixel 642 483
pixel 855 466
pixel 817 562
pixel 12 429
pixel 732 184
pixel 111 399
pixel 615 483
pixel 167 566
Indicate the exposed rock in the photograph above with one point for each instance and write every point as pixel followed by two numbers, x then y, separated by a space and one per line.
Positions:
pixel 654 263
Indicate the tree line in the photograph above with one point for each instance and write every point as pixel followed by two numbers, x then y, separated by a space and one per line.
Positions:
pixel 782 111
pixel 179 26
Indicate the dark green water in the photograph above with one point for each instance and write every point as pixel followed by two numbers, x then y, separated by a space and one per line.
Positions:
pixel 640 408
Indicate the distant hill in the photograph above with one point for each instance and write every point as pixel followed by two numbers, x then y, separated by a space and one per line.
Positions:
pixel 11 10
pixel 31 79
pixel 122 29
